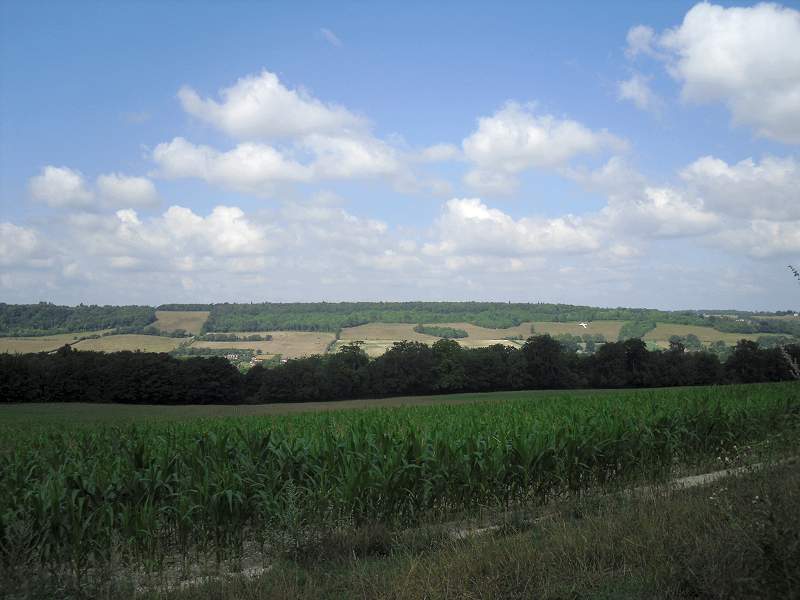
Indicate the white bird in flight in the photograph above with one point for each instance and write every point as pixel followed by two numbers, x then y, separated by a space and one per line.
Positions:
pixel 584 325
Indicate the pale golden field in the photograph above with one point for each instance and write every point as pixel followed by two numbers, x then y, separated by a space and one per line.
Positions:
pixel 189 320
pixel 384 332
pixel 609 329
pixel 484 333
pixel 45 343
pixel 664 331
pixel 289 344
pixel 116 343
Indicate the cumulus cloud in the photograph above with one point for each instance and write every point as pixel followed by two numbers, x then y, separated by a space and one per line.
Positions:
pixel 745 57
pixel 60 187
pixel 641 40
pixel 659 212
pixel 763 239
pixel 469 227
pixel 120 190
pixel 515 139
pixel 260 106
pixel 637 89
pixel 345 157
pixel 637 208
pixel 767 189
pixel 249 167
pixel 18 245
pixel 256 168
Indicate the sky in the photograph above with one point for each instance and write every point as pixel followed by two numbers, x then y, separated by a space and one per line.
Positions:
pixel 637 154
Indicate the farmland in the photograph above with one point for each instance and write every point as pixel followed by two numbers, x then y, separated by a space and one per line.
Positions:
pixel 117 343
pixel 190 321
pixel 44 343
pixel 664 331
pixel 160 490
pixel 289 344
pixel 305 329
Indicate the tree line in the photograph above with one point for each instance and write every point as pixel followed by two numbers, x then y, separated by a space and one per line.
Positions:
pixel 45 318
pixel 408 368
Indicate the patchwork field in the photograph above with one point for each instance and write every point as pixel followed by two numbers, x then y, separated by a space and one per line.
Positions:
pixel 289 344
pixel 46 343
pixel 379 337
pixel 664 331
pixel 170 320
pixel 117 343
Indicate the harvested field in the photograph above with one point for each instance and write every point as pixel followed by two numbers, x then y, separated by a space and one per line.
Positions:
pixel 664 331
pixel 45 343
pixel 495 335
pixel 386 332
pixel 188 320
pixel 289 344
pixel 117 343
pixel 609 329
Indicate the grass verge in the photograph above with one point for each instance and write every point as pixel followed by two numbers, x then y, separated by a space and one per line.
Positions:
pixel 739 538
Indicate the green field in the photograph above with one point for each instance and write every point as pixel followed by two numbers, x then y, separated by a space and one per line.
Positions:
pixel 161 489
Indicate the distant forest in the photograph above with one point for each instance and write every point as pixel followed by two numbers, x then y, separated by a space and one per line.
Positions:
pixel 408 368
pixel 333 316
pixel 45 318
pixel 49 319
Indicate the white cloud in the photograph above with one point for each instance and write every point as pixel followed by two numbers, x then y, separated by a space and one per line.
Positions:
pixel 469 227
pixel 641 40
pixel 60 187
pixel 748 58
pixel 346 157
pixel 763 239
pixel 330 37
pixel 256 168
pixel 249 167
pixel 639 209
pixel 260 106
pixel 637 90
pixel 659 212
pixel 116 189
pixel 751 190
pixel 17 245
pixel 515 139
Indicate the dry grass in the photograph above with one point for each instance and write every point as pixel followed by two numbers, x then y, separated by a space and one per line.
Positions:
pixel 664 331
pixel 289 344
pixel 386 332
pixel 189 320
pixel 609 329
pixel 117 343
pixel 484 333
pixel 45 343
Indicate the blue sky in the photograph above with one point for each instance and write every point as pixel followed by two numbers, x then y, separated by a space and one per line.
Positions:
pixel 625 153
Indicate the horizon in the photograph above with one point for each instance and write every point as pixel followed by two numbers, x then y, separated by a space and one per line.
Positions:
pixel 617 155
pixel 609 307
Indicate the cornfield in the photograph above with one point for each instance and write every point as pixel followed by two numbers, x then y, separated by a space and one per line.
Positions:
pixel 151 490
